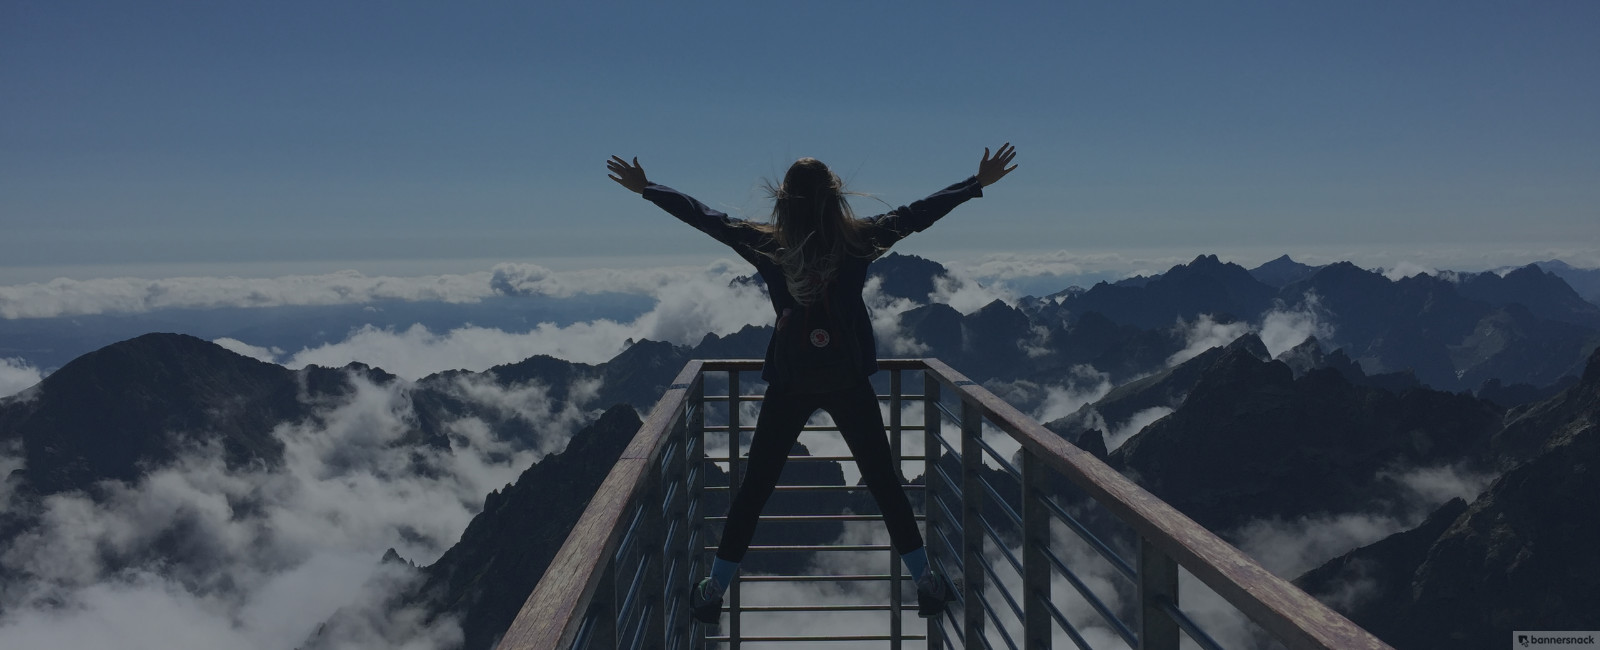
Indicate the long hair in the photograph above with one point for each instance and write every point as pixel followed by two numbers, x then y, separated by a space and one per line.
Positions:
pixel 814 228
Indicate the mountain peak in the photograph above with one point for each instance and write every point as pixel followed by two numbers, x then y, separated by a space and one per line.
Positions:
pixel 135 403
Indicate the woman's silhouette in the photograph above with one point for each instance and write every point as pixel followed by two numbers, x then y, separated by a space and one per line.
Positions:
pixel 813 257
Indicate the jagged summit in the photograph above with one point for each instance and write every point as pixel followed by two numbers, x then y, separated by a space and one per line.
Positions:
pixel 1282 272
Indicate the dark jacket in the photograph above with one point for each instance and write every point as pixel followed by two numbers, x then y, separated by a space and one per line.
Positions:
pixel 883 231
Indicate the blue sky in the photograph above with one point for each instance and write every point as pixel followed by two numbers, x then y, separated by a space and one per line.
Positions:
pixel 139 138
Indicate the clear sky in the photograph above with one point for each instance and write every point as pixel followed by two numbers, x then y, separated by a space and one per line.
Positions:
pixel 150 135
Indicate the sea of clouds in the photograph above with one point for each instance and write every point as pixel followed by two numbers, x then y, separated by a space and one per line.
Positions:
pixel 267 554
pixel 197 555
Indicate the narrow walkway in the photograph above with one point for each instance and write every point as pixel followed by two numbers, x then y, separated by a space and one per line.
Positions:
pixel 1001 505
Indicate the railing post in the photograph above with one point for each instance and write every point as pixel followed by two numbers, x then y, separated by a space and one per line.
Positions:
pixel 895 625
pixel 931 451
pixel 694 464
pixel 652 585
pixel 1158 580
pixel 603 609
pixel 971 527
pixel 676 554
pixel 734 435
pixel 1036 569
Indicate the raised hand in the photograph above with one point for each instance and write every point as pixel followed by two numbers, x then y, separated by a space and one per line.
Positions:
pixel 994 169
pixel 632 176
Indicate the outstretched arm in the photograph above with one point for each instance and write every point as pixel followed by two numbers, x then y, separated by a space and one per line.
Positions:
pixel 703 218
pixel 920 214
pixel 992 169
pixel 632 176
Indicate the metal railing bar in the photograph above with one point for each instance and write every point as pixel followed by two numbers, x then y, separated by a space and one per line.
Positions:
pixel 813 547
pixel 639 630
pixel 995 617
pixel 949 484
pixel 948 411
pixel 954 553
pixel 1005 506
pixel 843 577
pixel 669 498
pixel 1070 629
pixel 815 488
pixel 988 568
pixel 624 610
pixel 628 537
pixel 951 449
pixel 952 522
pixel 948 620
pixel 1001 544
pixel 1188 625
pixel 1094 601
pixel 723 428
pixel 799 518
pixel 782 609
pixel 842 637
pixel 585 633
pixel 1083 532
pixel 742 397
pixel 835 459
pixel 824 428
pixel 1004 463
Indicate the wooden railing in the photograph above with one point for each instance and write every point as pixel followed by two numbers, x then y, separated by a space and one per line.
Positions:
pixel 621 578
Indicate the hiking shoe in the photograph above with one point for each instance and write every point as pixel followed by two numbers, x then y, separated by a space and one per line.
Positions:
pixel 934 593
pixel 702 606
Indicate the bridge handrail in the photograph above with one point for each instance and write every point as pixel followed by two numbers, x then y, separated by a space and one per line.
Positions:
pixel 1287 612
pixel 553 613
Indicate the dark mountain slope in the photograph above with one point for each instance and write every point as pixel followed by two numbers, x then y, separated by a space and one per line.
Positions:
pixel 110 413
pixel 485 577
pixel 1545 294
pixel 1252 441
pixel 1520 557
pixel 1203 286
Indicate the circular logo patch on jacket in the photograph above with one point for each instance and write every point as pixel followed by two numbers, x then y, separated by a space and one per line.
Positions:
pixel 820 338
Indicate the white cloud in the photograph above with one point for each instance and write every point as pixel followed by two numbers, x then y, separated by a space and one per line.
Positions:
pixel 885 311
pixel 1283 328
pixel 269 355
pixel 1135 423
pixel 17 375
pixel 1280 329
pixel 267 554
pixel 1405 269
pixel 67 297
pixel 1083 385
pixel 966 295
pixel 1203 334
pixel 1290 548
pixel 686 310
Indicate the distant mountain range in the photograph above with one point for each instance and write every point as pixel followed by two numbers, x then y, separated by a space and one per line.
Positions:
pixel 1490 374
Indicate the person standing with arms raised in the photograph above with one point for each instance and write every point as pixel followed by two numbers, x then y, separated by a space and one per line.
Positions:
pixel 813 256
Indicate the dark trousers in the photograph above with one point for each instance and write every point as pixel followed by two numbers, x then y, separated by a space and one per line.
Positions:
pixel 855 411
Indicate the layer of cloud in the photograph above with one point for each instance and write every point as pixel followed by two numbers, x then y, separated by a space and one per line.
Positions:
pixel 197 554
pixel 17 375
pixel 1280 329
pixel 67 297
pixel 966 294
pixel 686 310
pixel 1290 548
